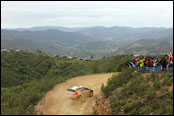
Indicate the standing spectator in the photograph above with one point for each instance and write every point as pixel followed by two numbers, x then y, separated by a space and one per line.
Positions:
pixel 141 64
pixel 138 64
pixel 147 64
pixel 171 60
pixel 130 65
pixel 163 64
pixel 136 61
pixel 155 62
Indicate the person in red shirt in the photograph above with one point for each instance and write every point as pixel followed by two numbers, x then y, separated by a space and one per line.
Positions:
pixel 171 57
pixel 170 60
pixel 147 64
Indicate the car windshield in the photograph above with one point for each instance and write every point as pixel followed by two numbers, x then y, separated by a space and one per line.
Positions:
pixel 76 88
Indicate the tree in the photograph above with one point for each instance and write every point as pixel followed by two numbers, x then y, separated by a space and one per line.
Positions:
pixel 39 51
pixel 92 56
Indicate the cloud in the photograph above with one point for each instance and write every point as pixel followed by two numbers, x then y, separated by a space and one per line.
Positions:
pixel 86 13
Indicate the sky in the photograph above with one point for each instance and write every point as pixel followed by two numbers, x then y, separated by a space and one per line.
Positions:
pixel 25 14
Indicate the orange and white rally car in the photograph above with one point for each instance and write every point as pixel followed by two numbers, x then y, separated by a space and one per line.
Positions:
pixel 79 91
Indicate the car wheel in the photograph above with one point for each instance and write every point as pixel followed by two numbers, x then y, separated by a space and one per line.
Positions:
pixel 91 93
pixel 79 98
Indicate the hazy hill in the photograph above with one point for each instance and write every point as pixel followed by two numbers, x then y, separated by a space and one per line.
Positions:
pixel 56 36
pixel 84 41
pixel 43 28
pixel 119 33
pixel 115 32
pixel 49 41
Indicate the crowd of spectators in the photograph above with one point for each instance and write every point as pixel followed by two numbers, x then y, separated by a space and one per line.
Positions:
pixel 152 63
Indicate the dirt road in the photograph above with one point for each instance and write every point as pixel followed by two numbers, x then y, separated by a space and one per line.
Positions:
pixel 57 102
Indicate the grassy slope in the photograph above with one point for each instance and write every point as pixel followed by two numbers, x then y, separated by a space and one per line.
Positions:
pixel 136 93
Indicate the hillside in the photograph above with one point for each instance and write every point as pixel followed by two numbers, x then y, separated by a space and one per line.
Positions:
pixel 84 41
pixel 47 36
pixel 160 48
pixel 26 77
pixel 50 41
pixel 130 93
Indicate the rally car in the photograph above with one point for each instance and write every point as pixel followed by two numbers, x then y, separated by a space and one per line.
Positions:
pixel 79 91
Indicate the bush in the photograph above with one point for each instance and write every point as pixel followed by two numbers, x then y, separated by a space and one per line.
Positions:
pixel 167 81
pixel 157 85
pixel 150 94
pixel 152 76
pixel 116 106
pixel 145 110
pixel 128 107
pixel 107 90
pixel 116 81
pixel 136 86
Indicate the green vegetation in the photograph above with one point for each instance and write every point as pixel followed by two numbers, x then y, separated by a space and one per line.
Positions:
pixel 26 77
pixel 22 98
pixel 131 93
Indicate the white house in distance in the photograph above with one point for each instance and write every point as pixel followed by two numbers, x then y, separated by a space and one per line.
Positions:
pixel 136 55
pixel 17 50
pixel 69 57
pixel 5 50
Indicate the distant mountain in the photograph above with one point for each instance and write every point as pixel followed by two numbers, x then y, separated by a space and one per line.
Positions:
pixel 126 33
pixel 84 41
pixel 108 33
pixel 56 36
pixel 160 48
pixel 43 28
pixel 49 41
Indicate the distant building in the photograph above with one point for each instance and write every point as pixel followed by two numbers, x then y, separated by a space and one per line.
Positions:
pixel 69 57
pixel 136 55
pixel 17 50
pixel 5 50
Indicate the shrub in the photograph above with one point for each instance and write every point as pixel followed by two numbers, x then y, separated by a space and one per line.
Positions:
pixel 150 94
pixel 116 81
pixel 167 81
pixel 157 85
pixel 145 110
pixel 152 76
pixel 116 106
pixel 128 107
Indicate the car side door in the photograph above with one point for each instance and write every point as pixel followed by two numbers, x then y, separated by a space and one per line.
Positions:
pixel 86 91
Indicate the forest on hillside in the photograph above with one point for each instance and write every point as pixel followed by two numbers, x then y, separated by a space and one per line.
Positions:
pixel 26 77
